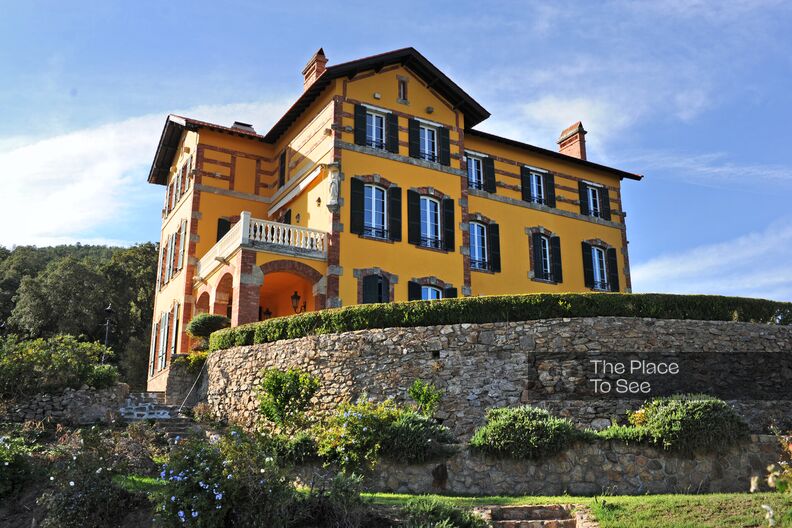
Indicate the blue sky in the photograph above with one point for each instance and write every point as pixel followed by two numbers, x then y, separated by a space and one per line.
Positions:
pixel 693 94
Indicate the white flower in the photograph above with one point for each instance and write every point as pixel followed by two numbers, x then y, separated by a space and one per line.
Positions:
pixel 52 478
pixel 71 483
pixel 770 516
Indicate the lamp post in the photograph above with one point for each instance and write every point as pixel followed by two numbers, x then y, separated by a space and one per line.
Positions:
pixel 108 315
pixel 295 299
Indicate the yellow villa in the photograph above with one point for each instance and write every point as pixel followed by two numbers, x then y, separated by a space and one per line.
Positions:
pixel 373 187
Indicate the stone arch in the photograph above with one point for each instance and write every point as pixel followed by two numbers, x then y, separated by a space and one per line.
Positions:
pixel 302 270
pixel 223 295
pixel 202 304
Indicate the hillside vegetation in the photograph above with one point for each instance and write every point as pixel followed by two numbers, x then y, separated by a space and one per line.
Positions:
pixel 65 290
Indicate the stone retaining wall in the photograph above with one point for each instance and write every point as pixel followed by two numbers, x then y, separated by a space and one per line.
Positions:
pixel 586 469
pixel 545 362
pixel 73 406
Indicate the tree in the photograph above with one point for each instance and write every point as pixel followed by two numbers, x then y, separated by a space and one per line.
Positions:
pixel 68 297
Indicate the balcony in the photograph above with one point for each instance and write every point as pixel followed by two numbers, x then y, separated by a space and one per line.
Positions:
pixel 263 235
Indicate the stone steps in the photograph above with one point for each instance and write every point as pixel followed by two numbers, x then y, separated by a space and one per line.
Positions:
pixel 144 406
pixel 147 406
pixel 545 516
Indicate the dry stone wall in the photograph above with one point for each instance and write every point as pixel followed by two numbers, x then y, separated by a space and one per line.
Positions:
pixel 73 406
pixel 545 362
pixel 585 469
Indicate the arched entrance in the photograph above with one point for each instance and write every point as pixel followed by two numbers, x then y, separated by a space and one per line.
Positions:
pixel 287 281
pixel 223 297
pixel 202 304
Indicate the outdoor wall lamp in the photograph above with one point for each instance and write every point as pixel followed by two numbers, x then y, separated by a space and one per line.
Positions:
pixel 295 299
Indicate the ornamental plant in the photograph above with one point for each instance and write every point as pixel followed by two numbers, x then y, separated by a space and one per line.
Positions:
pixel 202 325
pixel 358 434
pixel 284 396
pixel 426 396
pixel 690 422
pixel 523 433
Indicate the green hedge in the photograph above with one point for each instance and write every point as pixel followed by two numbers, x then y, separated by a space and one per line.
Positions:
pixel 505 308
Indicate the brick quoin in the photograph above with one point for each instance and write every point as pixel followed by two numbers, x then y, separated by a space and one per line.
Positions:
pixel 246 300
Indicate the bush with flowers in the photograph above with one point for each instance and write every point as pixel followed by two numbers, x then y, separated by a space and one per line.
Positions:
pixel 15 466
pixel 233 482
pixel 357 434
pixel 82 492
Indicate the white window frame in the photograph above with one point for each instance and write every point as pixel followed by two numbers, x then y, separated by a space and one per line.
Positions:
pixel 401 88
pixel 371 139
pixel 370 226
pixel 431 293
pixel 163 341
pixel 593 194
pixel 546 265
pixel 479 250
pixel 153 351
pixel 182 244
pixel 431 232
pixel 599 266
pixel 475 171
pixel 537 188
pixel 426 143
pixel 174 329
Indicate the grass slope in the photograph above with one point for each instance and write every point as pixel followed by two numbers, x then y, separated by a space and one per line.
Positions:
pixel 649 511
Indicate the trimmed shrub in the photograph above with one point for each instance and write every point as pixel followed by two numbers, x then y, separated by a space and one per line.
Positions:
pixel 523 433
pixel 356 435
pixel 233 482
pixel 690 422
pixel 426 396
pixel 505 308
pixel 202 325
pixel 284 396
pixel 50 365
pixel 426 512
pixel 15 466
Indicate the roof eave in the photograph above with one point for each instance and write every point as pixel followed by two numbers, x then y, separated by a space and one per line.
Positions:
pixel 556 155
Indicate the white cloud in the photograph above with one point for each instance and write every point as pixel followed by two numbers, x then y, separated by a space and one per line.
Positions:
pixel 713 169
pixel 752 265
pixel 74 186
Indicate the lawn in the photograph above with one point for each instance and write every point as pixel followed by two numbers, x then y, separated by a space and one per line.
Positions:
pixel 650 511
pixel 720 510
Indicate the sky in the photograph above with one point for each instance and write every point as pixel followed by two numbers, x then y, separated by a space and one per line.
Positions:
pixel 693 94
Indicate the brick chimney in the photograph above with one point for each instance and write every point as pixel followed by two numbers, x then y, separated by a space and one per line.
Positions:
pixel 572 141
pixel 314 68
